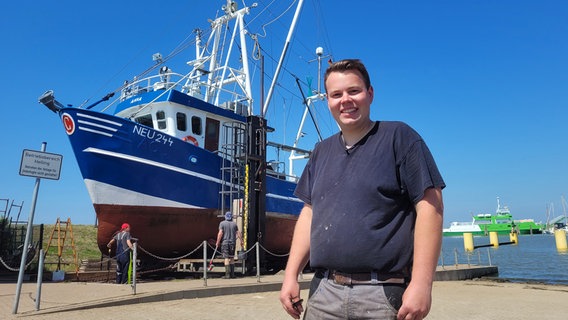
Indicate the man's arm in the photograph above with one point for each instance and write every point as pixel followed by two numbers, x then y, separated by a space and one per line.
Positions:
pixel 299 256
pixel 219 237
pixel 417 298
pixel 240 237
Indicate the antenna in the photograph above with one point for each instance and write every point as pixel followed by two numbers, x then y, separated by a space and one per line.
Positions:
pixel 319 53
pixel 320 56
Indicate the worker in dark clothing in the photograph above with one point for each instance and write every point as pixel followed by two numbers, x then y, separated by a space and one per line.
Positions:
pixel 227 239
pixel 123 247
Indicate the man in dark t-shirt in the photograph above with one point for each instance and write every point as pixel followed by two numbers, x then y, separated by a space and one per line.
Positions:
pixel 372 219
pixel 227 239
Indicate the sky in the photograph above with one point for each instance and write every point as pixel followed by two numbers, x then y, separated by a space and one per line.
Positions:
pixel 484 82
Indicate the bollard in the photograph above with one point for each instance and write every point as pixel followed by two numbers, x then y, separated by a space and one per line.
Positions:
pixel 560 236
pixel 514 237
pixel 39 278
pixel 468 241
pixel 205 263
pixel 494 239
pixel 133 263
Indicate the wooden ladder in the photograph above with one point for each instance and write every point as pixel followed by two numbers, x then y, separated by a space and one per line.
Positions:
pixel 61 237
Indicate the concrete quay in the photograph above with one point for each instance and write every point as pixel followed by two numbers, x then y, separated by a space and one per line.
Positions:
pixel 257 298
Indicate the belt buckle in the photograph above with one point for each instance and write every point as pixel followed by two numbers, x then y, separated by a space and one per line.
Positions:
pixel 341 279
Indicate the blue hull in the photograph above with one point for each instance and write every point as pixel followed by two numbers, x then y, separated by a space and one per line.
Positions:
pixel 137 174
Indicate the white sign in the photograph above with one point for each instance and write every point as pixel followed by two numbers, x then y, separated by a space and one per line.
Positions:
pixel 41 164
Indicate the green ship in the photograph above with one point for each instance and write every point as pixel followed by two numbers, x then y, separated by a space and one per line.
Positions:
pixel 501 222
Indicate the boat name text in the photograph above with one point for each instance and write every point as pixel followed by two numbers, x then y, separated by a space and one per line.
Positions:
pixel 153 135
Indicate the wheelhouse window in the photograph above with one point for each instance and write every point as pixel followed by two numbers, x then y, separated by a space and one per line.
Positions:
pixel 145 120
pixel 161 117
pixel 196 126
pixel 181 121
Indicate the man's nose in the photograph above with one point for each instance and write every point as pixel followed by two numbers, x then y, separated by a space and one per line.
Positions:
pixel 345 97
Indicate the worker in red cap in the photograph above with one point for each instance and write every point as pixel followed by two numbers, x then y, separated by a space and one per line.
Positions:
pixel 123 248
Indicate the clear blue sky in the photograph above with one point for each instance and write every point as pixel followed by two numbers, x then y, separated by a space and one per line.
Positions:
pixel 484 82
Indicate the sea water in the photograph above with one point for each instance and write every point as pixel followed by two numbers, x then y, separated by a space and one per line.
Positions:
pixel 534 258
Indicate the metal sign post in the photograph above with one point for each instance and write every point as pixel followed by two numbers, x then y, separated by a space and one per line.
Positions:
pixel 39 165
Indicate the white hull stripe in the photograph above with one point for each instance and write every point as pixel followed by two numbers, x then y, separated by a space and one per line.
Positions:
pixel 176 169
pixel 95 131
pixel 272 195
pixel 97 125
pixel 90 126
pixel 118 124
pixel 103 193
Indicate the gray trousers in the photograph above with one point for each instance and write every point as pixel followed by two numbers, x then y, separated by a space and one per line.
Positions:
pixel 329 300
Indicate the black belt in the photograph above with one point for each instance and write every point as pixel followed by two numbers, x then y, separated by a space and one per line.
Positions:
pixel 349 279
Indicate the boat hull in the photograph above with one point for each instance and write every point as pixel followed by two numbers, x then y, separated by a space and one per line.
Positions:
pixel 457 230
pixel 448 233
pixel 166 232
pixel 168 190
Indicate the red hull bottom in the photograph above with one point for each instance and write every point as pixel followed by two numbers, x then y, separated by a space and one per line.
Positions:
pixel 174 232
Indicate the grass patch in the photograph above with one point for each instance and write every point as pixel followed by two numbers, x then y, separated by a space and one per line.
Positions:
pixel 85 241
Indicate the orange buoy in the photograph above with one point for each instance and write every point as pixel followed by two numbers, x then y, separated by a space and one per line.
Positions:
pixel 191 139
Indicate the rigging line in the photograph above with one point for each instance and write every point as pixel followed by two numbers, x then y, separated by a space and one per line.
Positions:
pixel 322 25
pixel 112 78
pixel 289 73
pixel 292 93
pixel 133 115
pixel 309 109
pixel 256 47
pixel 263 27
pixel 254 36
pixel 174 53
pixel 285 69
pixel 184 44
pixel 258 15
pixel 320 34
pixel 180 48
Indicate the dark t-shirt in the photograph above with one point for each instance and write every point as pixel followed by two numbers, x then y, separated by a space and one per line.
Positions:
pixel 363 199
pixel 229 231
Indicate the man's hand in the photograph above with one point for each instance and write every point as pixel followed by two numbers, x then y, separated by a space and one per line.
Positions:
pixel 290 298
pixel 416 303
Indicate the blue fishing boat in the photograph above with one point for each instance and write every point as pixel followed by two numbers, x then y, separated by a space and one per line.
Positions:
pixel 171 152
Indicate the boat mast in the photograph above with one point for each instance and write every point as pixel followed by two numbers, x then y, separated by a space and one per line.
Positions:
pixel 498 206
pixel 564 209
pixel 219 75
pixel 282 56
pixel 239 27
pixel 309 101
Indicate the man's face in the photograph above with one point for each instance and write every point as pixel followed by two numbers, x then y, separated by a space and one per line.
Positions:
pixel 348 99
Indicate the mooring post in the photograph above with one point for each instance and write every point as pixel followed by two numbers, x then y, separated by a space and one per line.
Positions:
pixel 560 236
pixel 468 241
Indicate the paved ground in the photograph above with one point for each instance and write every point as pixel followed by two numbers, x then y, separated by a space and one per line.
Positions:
pixel 252 298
